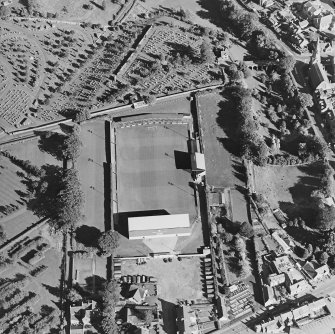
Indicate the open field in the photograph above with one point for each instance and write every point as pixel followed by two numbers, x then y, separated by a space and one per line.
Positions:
pixel 197 9
pixel 91 173
pixel 288 188
pixel 182 282
pixel 75 11
pixel 222 169
pixel 11 184
pixel 16 223
pixel 85 269
pixel 239 206
pixel 30 151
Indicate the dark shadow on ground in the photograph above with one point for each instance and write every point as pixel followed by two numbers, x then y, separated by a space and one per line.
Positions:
pixel 87 235
pixel 51 142
pixel 54 290
pixel 211 12
pixel 121 219
pixel 182 160
pixel 239 171
pixel 107 196
pixel 302 205
pixel 283 307
pixel 94 283
pixel 228 122
pixel 204 214
pixel 45 191
pixel 169 316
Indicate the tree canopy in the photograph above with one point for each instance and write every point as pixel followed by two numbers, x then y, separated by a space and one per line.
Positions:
pixel 31 5
pixel 246 230
pixel 3 236
pixel 108 241
pixel 68 202
pixel 326 217
pixel 206 51
pixel 73 296
pixel 72 146
pixel 109 297
pixel 323 258
pixel 287 63
pixel 305 100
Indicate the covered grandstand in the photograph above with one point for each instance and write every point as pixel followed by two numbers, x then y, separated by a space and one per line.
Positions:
pixel 159 226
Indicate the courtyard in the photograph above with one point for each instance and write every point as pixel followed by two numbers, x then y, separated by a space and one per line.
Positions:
pixel 183 280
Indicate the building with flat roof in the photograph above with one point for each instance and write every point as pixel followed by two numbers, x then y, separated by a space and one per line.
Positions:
pixel 159 226
pixel 186 320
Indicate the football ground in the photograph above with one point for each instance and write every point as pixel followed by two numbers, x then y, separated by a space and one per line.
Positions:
pixel 147 174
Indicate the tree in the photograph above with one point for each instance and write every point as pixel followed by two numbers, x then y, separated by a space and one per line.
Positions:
pixel 31 5
pixel 237 76
pixel 206 52
pixel 246 230
pixel 82 115
pixel 239 244
pixel 248 24
pixel 108 241
pixel 3 236
pixel 72 146
pixel 110 295
pixel 185 14
pixel 4 11
pixel 103 4
pixel 304 253
pixel 310 249
pixel 225 41
pixel 327 181
pixel 323 259
pixel 244 68
pixel 287 63
pixel 148 317
pixel 73 296
pixel 68 202
pixel 326 217
pixel 150 99
pixel 305 100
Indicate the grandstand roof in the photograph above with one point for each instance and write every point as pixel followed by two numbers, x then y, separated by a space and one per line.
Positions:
pixel 198 161
pixel 157 226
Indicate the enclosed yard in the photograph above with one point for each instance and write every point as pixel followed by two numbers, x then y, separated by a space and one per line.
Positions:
pixel 182 282
pixel 289 188
pixel 91 172
pixel 222 169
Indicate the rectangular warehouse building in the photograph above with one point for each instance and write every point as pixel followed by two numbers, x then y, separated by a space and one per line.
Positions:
pixel 159 226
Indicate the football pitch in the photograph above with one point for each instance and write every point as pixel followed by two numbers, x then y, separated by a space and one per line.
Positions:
pixel 147 158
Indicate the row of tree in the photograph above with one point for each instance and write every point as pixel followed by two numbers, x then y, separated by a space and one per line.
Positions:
pixel 252 143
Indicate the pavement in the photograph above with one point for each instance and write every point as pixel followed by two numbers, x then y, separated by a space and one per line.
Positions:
pixel 325 288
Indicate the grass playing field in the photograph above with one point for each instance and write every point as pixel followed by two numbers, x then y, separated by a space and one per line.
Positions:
pixel 147 177
pixel 221 168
